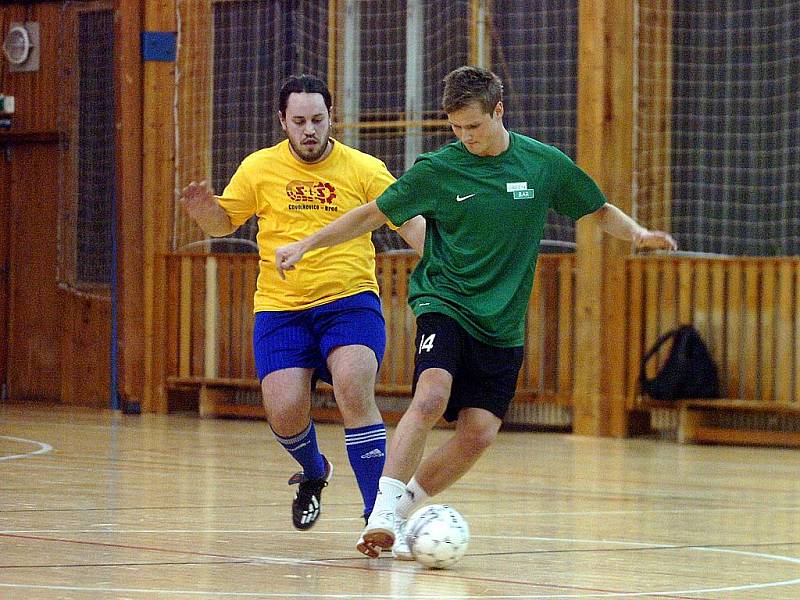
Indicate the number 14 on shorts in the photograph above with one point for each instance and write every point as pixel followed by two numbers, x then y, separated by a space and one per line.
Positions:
pixel 426 343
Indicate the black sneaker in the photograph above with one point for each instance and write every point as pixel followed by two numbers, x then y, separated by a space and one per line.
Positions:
pixel 307 502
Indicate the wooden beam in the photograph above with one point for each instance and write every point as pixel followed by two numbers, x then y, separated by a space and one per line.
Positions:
pixel 157 201
pixel 128 87
pixel 605 151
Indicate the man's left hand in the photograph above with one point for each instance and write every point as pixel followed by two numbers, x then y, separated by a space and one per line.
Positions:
pixel 657 240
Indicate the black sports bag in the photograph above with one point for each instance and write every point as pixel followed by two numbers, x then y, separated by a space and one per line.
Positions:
pixel 688 372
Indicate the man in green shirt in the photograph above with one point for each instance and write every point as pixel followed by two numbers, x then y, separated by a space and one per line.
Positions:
pixel 485 199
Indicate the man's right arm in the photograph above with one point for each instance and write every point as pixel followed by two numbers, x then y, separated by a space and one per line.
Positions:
pixel 352 224
pixel 199 202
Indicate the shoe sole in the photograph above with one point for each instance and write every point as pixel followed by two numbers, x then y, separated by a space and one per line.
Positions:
pixel 375 541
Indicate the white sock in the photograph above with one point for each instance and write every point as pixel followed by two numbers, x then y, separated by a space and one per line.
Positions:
pixel 413 498
pixel 389 492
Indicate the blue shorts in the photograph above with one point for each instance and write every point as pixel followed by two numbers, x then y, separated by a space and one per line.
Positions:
pixel 303 338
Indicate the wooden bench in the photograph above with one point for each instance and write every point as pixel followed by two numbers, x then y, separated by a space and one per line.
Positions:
pixel 729 421
pixel 217 398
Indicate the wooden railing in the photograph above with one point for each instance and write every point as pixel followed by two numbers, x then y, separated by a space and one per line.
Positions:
pixel 746 309
pixel 209 324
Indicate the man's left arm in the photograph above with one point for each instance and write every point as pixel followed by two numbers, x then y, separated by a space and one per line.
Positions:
pixel 413 232
pixel 618 224
pixel 352 224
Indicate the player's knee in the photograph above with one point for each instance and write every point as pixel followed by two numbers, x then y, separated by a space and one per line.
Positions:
pixel 355 402
pixel 284 414
pixel 354 389
pixel 483 437
pixel 478 435
pixel 430 404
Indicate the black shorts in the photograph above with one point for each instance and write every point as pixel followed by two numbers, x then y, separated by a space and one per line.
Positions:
pixel 484 376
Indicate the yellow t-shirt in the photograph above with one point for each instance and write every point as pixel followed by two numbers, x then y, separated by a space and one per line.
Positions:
pixel 292 200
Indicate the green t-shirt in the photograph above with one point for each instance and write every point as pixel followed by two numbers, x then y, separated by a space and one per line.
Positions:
pixel 485 219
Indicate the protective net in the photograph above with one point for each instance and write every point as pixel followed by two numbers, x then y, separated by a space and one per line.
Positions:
pixel 718 124
pixel 86 171
pixel 384 61
pixel 534 51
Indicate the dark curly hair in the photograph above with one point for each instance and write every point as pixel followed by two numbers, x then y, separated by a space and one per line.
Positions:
pixel 303 83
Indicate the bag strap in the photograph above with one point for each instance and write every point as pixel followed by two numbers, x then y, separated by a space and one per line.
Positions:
pixel 655 348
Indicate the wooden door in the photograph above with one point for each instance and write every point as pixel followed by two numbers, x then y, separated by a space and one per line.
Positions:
pixel 35 304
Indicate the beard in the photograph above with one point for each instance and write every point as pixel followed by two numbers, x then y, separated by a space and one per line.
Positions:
pixel 310 154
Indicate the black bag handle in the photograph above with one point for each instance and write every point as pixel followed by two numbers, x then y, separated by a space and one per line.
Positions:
pixel 663 339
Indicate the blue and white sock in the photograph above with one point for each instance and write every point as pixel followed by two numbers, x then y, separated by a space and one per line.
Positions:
pixel 366 449
pixel 303 448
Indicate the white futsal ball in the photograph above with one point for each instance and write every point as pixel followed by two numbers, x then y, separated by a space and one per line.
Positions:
pixel 437 536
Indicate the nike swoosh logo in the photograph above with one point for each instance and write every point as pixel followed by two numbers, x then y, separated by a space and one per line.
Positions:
pixel 462 198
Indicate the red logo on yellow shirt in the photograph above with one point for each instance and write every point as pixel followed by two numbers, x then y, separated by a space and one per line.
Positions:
pixel 311 191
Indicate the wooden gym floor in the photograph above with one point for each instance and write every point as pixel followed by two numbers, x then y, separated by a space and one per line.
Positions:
pixel 103 505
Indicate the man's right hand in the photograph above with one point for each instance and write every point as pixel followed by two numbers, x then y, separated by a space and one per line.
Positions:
pixel 198 200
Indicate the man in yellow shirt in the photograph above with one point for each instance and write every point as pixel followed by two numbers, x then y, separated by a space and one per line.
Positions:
pixel 325 320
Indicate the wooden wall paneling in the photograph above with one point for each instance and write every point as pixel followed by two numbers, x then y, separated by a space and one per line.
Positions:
pixel 185 328
pixel 530 374
pixel 666 305
pixel 238 294
pixel 383 272
pixel 398 361
pixel 158 165
pixel 734 331
pixel 224 311
pixel 392 272
pixel 716 339
pixel 796 312
pixel 566 326
pixel 635 344
pixel 5 236
pixel 37 93
pixel 86 360
pixel 172 348
pixel 702 293
pixel 248 362
pixel 615 332
pixel 766 331
pixel 199 334
pixel 750 347
pixel 785 332
pixel 410 322
pixel 685 292
pixel 550 325
pixel 668 313
pixel 652 299
pixel 87 330
pixel 35 302
pixel 51 95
